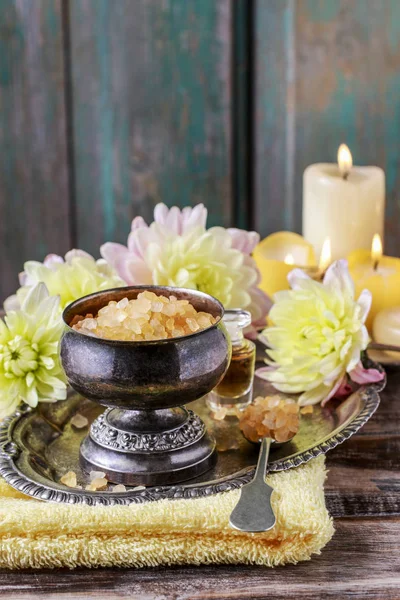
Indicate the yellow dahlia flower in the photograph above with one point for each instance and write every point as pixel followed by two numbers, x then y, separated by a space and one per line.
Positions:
pixel 317 336
pixel 178 250
pixel 30 369
pixel 75 276
pixel 203 260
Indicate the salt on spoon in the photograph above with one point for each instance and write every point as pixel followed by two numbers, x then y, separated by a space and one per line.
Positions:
pixel 270 420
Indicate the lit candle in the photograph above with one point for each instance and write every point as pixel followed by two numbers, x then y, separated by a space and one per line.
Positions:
pixel 289 260
pixel 344 203
pixel 277 255
pixel 380 274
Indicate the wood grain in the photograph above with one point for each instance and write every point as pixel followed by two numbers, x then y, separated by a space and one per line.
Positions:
pixel 362 561
pixel 34 210
pixel 151 111
pixel 364 473
pixel 327 72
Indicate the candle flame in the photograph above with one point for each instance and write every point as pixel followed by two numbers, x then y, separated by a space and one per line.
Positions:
pixel 345 160
pixel 326 255
pixel 376 250
pixel 289 260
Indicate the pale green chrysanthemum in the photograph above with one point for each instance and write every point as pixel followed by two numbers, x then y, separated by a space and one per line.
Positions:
pixel 203 260
pixel 317 336
pixel 76 276
pixel 30 370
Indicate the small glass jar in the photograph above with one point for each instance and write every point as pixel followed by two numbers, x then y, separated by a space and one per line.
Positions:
pixel 235 390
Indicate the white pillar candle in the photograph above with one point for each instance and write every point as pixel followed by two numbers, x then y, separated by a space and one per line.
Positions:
pixel 343 203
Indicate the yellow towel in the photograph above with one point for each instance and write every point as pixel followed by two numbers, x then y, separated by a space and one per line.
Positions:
pixel 37 534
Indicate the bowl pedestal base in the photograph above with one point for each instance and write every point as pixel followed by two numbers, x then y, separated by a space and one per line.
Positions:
pixel 142 447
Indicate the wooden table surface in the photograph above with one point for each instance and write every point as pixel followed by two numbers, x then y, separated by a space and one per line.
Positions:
pixel 362 560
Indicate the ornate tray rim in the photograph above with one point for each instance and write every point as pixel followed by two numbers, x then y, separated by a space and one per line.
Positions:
pixel 9 451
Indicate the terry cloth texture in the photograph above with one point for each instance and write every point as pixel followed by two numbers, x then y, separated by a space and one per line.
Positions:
pixel 196 531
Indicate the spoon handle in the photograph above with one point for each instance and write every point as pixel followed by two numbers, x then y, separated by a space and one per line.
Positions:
pixel 262 462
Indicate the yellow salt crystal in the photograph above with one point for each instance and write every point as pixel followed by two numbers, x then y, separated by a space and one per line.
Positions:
pixel 170 324
pixel 89 323
pixel 148 295
pixel 123 303
pixel 97 484
pixel 79 421
pixel 193 324
pixel 119 488
pixel 282 434
pixel 148 317
pixel 219 415
pixel 169 309
pixel 178 332
pixel 273 401
pixel 69 479
pixel 157 306
pixel 96 475
pixel 203 321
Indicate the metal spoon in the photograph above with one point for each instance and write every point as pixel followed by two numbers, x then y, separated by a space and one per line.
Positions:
pixel 253 513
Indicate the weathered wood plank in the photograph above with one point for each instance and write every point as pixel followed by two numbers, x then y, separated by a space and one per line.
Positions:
pixel 364 472
pixel 274 116
pixel 34 204
pixel 151 111
pixel 326 72
pixel 242 109
pixel 361 561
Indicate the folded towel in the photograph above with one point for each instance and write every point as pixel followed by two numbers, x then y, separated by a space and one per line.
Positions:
pixel 37 534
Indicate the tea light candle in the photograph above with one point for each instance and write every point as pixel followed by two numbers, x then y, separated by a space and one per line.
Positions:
pixel 277 255
pixel 386 327
pixel 377 273
pixel 344 203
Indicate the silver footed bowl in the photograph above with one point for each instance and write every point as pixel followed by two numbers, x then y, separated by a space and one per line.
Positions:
pixel 146 436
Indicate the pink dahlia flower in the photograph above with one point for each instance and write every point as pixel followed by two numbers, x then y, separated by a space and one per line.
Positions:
pixel 178 250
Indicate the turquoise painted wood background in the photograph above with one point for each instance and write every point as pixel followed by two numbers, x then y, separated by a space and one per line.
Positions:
pixel 110 106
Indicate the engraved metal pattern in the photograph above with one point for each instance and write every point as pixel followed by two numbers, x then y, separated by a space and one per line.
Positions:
pixel 106 435
pixel 45 489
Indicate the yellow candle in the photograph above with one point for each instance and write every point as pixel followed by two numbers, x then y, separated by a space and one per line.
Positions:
pixel 386 327
pixel 344 203
pixel 279 254
pixel 380 274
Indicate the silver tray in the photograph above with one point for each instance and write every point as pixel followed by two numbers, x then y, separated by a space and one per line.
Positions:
pixel 38 446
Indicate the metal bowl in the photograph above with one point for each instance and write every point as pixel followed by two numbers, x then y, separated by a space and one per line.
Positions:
pixel 145 375
pixel 146 436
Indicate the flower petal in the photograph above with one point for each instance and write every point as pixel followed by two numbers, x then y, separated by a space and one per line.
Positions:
pixel 36 295
pixel 52 259
pixel 11 303
pixel 337 278
pixel 77 254
pixel 242 240
pixel 138 223
pixel 113 253
pixel 296 278
pixel 362 376
pixel 364 302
